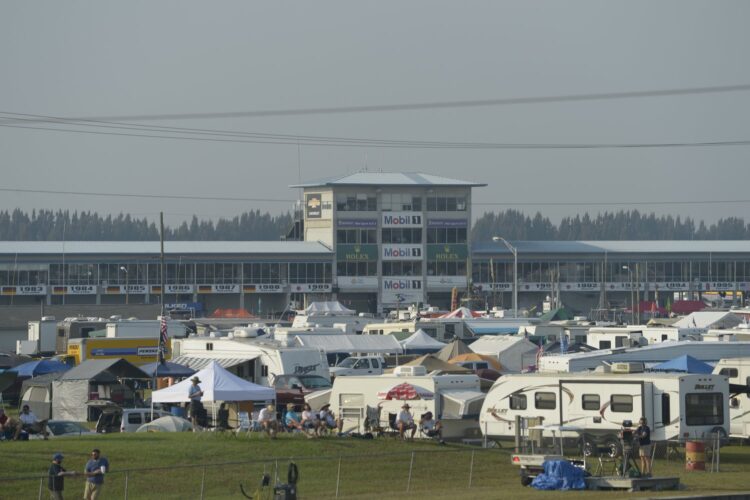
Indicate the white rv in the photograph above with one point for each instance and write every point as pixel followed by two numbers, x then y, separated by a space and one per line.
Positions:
pixel 656 335
pixel 252 359
pixel 738 372
pixel 455 401
pixel 442 329
pixel 676 405
pixel 612 337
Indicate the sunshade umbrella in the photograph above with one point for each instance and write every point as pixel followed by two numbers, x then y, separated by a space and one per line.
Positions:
pixel 406 391
pixel 39 367
pixel 167 369
pixel 169 423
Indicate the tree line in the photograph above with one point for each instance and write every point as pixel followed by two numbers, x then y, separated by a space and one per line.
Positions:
pixel 49 225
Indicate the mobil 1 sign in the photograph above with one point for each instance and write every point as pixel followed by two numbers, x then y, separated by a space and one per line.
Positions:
pixel 401 219
pixel 401 252
pixel 402 290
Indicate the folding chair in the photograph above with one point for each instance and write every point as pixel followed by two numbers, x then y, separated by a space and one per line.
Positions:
pixel 372 421
pixel 244 424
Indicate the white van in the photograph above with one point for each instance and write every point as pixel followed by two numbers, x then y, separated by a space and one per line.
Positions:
pixel 132 418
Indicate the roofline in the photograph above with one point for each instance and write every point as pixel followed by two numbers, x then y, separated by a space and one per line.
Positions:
pixel 333 181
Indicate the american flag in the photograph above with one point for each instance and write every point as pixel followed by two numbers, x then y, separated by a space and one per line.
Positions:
pixel 163 337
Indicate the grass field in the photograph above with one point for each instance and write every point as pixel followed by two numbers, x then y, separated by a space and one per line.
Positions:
pixel 176 466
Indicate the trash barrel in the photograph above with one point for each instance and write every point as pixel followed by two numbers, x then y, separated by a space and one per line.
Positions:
pixel 178 411
pixel 695 455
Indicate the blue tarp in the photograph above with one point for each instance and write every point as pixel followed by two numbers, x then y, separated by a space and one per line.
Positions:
pixel 685 363
pixel 560 475
pixel 39 367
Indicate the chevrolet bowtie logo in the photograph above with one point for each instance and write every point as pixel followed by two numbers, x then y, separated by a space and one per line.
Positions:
pixel 313 202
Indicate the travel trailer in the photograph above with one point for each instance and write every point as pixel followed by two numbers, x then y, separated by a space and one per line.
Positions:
pixel 455 400
pixel 656 335
pixel 256 360
pixel 611 337
pixel 676 405
pixel 442 329
pixel 738 372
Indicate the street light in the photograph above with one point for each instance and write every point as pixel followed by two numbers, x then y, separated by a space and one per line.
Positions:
pixel 127 291
pixel 632 305
pixel 514 251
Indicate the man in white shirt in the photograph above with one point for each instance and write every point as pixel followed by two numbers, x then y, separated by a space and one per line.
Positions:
pixel 405 421
pixel 431 427
pixel 268 422
pixel 29 423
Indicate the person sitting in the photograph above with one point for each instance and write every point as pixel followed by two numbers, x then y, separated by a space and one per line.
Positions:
pixel 431 427
pixel 222 417
pixel 328 420
pixel 405 421
pixel 292 419
pixel 268 422
pixel 7 426
pixel 30 423
pixel 309 420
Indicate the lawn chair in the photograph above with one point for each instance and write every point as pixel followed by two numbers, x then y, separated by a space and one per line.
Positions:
pixel 392 429
pixel 244 424
pixel 372 421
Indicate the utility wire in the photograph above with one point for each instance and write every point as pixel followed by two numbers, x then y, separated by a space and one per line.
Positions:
pixel 432 105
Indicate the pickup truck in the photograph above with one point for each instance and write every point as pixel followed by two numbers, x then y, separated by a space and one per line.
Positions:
pixel 359 365
pixel 294 388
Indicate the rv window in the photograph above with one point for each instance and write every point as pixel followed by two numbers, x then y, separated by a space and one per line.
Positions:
pixel 209 346
pixel 544 401
pixel 729 372
pixel 605 344
pixel 704 408
pixel 61 332
pixel 518 402
pixel 747 382
pixel 351 400
pixel 663 337
pixel 620 341
pixel 666 416
pixel 263 371
pixel 590 402
pixel 621 403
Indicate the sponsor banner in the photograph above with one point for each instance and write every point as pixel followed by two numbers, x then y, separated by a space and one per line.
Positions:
pixel 24 290
pixel 313 205
pixel 263 288
pixel 357 223
pixel 495 287
pixel 310 287
pixel 447 252
pixel 358 282
pixel 218 288
pixel 446 281
pixel 447 223
pixel 620 286
pixel 535 287
pixel 74 290
pixel 401 219
pixel 580 287
pixel 401 252
pixel 402 290
pixel 356 253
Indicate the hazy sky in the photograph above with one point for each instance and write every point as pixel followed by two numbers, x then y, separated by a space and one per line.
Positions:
pixel 106 59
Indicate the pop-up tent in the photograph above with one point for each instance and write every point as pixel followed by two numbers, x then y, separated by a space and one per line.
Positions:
pixel 420 343
pixel 218 385
pixel 686 363
pixel 453 349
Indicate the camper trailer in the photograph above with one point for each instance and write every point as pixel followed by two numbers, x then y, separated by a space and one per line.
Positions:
pixel 612 337
pixel 738 372
pixel 656 335
pixel 256 360
pixel 442 329
pixel 676 405
pixel 455 400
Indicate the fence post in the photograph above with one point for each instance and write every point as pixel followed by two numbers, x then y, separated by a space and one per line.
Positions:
pixel 126 485
pixel 41 484
pixel 411 466
pixel 471 467
pixel 338 477
pixel 203 481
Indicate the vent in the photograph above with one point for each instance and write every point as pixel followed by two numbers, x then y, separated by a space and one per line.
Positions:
pixel 627 367
pixel 409 371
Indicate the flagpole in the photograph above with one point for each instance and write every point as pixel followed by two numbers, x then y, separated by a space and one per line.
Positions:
pixel 162 325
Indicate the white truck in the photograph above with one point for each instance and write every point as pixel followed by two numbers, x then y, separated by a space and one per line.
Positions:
pixel 359 365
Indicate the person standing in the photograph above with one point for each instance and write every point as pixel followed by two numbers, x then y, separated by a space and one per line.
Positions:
pixel 95 469
pixel 195 393
pixel 643 433
pixel 56 480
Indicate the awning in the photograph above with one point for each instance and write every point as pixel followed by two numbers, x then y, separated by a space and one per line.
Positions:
pixel 199 363
pixel 463 399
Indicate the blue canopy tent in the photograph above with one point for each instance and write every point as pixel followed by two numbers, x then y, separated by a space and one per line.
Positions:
pixel 167 369
pixel 685 363
pixel 39 367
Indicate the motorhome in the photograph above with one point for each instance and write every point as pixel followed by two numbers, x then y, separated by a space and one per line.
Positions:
pixel 256 360
pixel 676 405
pixel 455 400
pixel 738 372
pixel 610 337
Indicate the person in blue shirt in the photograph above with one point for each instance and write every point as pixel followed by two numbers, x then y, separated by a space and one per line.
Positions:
pixel 94 471
pixel 643 434
pixel 291 418
pixel 195 393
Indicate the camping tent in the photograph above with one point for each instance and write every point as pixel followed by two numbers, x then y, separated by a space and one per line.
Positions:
pixel 461 312
pixel 685 363
pixel 514 352
pixel 218 385
pixel 167 369
pixel 169 423
pixel 420 343
pixel 37 393
pixel 432 363
pixel 39 367
pixel 453 349
pixel 92 379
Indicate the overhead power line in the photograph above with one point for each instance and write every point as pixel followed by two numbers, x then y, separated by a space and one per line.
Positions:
pixel 431 105
pixel 158 196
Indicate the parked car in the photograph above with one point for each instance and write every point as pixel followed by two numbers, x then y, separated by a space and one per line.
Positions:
pixel 60 428
pixel 294 388
pixel 116 419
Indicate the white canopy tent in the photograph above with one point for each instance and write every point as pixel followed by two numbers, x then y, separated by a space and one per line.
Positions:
pixel 421 343
pixel 332 307
pixel 218 385
pixel 368 344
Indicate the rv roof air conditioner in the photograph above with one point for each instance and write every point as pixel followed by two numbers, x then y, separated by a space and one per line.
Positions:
pixel 409 371
pixel 627 368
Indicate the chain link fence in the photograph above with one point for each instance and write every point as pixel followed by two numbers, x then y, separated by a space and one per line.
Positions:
pixel 342 476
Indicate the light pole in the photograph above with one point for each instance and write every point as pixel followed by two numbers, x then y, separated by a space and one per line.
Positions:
pixel 632 305
pixel 127 290
pixel 514 251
